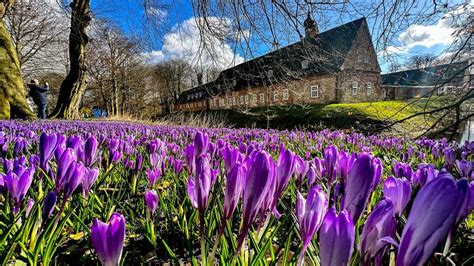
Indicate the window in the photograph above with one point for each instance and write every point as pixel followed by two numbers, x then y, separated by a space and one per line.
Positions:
pixel 304 64
pixel 314 91
pixel 354 88
pixel 234 82
pixel 211 102
pixel 366 58
pixel 275 96
pixel 234 102
pixel 221 102
pixel 360 58
pixel 285 95
pixel 254 98
pixel 262 97
pixel 241 100
pixel 229 101
pixel 369 88
pixel 270 73
pixel 246 99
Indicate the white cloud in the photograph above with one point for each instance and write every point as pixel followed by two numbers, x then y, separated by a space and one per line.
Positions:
pixel 184 42
pixel 441 33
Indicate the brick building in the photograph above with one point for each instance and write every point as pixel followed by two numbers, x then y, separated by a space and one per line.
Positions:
pixel 454 78
pixel 338 65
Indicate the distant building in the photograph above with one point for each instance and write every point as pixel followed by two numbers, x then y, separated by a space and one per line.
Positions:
pixel 338 65
pixel 454 78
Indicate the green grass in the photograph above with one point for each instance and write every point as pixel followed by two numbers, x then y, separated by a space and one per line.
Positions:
pixel 363 116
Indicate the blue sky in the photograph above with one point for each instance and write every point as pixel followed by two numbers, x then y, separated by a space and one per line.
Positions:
pixel 176 35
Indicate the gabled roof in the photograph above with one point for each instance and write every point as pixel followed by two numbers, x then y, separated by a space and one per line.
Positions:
pixel 428 76
pixel 324 53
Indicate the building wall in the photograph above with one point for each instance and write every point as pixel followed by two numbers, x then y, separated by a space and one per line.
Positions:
pixel 285 93
pixel 359 86
pixel 407 92
pixel 195 106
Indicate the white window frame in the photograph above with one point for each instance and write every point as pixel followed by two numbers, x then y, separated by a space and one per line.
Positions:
pixel 241 100
pixel 254 98
pixel 286 95
pixel 275 96
pixel 354 88
pixel 221 102
pixel 270 73
pixel 366 58
pixel 314 91
pixel 369 88
pixel 262 98
pixel 246 99
pixel 304 64
pixel 234 101
pixel 229 101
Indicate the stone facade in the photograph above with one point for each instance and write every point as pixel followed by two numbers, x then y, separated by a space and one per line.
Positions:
pixel 356 78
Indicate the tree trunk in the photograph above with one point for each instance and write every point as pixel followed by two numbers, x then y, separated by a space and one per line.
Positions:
pixel 73 86
pixel 13 102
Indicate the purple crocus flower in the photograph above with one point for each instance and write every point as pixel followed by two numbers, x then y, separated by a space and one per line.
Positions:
pixel 431 218
pixel 151 200
pixel 90 176
pixel 18 185
pixel 402 170
pixel 66 159
pixel 29 206
pixel 424 174
pixel 330 160
pixel 153 175
pixel 449 156
pixel 260 176
pixel 201 143
pixel 284 171
pixel 47 146
pixel 233 189
pixel 230 156
pixel 359 186
pixel 464 167
pixel 199 186
pixel 336 239
pixel 398 190
pixel 90 151
pixel 344 165
pixel 49 204
pixel 190 160
pixel 379 231
pixel 310 213
pixel 73 178
pixel 108 239
pixel 178 166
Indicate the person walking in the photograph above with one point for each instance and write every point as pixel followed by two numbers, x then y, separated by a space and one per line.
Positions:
pixel 39 98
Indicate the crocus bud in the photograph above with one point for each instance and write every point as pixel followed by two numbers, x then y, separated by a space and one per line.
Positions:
pixel 201 143
pixel 108 239
pixel 398 190
pixel 90 176
pixel 431 218
pixel 90 151
pixel 47 146
pixel 359 186
pixel 284 171
pixel 449 156
pixel 48 205
pixel 29 206
pixel 66 159
pixel 190 160
pixel 151 200
pixel 260 176
pixel 75 175
pixel 153 175
pixel 336 239
pixel 233 189
pixel 330 159
pixel 464 167
pixel 18 186
pixel 199 186
pixel 379 227
pixel 310 213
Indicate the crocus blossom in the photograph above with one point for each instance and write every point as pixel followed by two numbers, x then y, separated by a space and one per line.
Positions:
pixel 398 190
pixel 233 189
pixel 284 171
pixel 439 202
pixel 336 239
pixel 310 213
pixel 18 185
pixel 108 239
pixel 199 186
pixel 151 200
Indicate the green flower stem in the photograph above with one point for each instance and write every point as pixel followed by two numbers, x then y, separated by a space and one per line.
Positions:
pixel 216 243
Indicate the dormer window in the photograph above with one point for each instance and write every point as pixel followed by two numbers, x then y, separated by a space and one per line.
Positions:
pixel 270 73
pixel 304 64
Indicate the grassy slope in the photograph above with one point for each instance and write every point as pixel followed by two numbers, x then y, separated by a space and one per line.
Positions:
pixel 340 115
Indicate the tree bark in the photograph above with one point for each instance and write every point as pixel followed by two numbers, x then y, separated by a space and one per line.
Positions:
pixel 13 102
pixel 75 83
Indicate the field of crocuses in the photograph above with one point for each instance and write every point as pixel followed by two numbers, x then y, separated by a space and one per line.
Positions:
pixel 123 193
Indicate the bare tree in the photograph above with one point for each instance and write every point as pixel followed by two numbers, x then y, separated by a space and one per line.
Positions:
pixel 421 61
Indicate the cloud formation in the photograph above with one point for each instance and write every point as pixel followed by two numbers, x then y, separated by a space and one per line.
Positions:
pixel 441 33
pixel 185 42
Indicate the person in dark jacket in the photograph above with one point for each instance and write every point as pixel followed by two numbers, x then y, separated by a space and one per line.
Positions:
pixel 38 94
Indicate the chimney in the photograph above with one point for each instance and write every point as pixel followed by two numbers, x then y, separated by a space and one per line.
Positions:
pixel 310 27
